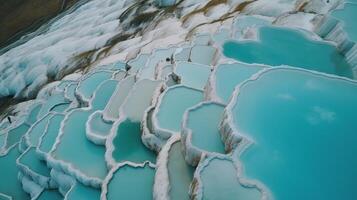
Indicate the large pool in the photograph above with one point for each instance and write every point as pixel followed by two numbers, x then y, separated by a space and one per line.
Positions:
pixel 302 130
pixel 282 46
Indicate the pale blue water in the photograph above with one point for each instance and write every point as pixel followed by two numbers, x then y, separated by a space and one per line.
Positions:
pixel 103 94
pixel 204 124
pixel 37 130
pixel 202 39
pixel 304 131
pixel 193 75
pixel 15 134
pixel 220 181
pixel 281 46
pixel 348 16
pixel 9 184
pixel 60 107
pixel 183 55
pixel 50 195
pixel 50 103
pixel 202 54
pixel 221 36
pixel 99 125
pixel 30 159
pixel 82 192
pixel 114 66
pixel 174 104
pixel 180 173
pixel 87 86
pixel 228 76
pixel 76 149
pixel 50 135
pixel 32 116
pixel 138 63
pixel 128 144
pixel 132 183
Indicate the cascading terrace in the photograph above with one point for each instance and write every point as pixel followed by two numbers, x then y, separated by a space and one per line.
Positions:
pixel 187 99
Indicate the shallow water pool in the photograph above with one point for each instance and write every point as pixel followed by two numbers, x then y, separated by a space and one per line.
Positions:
pixel 303 133
pixel 282 46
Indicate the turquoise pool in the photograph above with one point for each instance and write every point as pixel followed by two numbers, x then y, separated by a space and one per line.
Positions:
pixel 169 117
pixel 209 114
pixel 348 17
pixel 49 137
pixel 82 192
pixel 282 46
pixel 228 76
pixel 128 145
pixel 76 150
pixel 302 131
pixel 219 180
pixel 9 185
pixel 126 178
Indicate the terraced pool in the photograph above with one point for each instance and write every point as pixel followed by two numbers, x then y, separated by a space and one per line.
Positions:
pixel 275 48
pixel 304 111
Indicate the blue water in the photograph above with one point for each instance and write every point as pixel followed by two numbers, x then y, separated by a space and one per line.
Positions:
pixel 98 125
pixel 138 62
pixel 193 75
pixel 15 134
pixel 87 86
pixel 37 130
pixel 51 133
pixel 348 16
pixel 82 192
pixel 304 133
pixel 183 55
pixel 206 137
pixel 60 108
pixel 173 105
pixel 77 150
pixel 32 161
pixel 50 195
pixel 51 102
pixel 221 36
pixel 32 116
pixel 114 66
pixel 103 94
pixel 132 183
pixel 9 184
pixel 281 46
pixel 220 181
pixel 228 76
pixel 128 144
pixel 202 54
